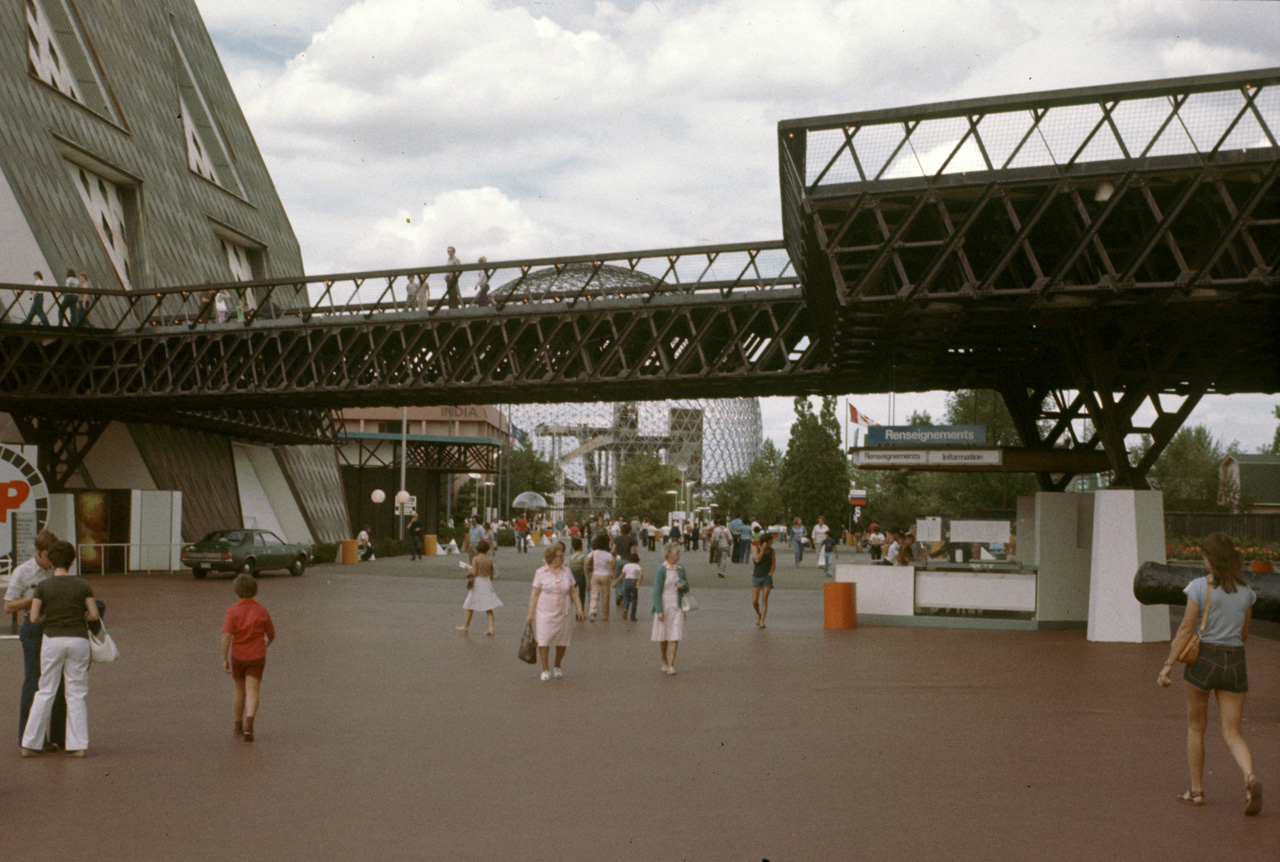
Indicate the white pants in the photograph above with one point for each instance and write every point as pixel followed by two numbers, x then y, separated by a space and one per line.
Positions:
pixel 66 660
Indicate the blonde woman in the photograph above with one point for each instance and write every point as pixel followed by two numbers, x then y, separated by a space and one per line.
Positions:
pixel 480 593
pixel 1220 670
pixel 553 590
pixel 670 584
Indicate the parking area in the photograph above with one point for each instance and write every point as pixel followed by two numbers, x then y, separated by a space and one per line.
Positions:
pixel 384 733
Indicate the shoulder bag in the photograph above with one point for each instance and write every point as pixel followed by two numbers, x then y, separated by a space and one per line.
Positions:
pixel 1191 649
pixel 102 649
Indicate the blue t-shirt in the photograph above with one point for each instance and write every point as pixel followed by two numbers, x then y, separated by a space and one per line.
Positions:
pixel 1226 612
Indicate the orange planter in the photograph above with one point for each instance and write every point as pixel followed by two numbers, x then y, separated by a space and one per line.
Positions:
pixel 1262 567
pixel 839 606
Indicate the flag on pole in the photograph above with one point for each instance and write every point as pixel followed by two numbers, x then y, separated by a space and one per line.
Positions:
pixel 860 418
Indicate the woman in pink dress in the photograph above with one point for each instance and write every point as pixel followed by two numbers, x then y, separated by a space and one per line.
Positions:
pixel 553 591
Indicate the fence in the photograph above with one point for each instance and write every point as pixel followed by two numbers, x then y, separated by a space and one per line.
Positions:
pixel 1253 528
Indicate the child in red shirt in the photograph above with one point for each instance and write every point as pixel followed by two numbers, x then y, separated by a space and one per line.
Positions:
pixel 247 631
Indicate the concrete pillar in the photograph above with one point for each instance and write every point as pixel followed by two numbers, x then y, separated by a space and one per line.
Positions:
pixel 1128 530
pixel 429 511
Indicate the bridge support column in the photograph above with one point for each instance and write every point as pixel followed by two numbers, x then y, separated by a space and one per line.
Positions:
pixel 431 506
pixel 1128 530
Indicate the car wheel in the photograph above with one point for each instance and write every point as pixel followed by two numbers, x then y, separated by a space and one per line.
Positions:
pixel 248 568
pixel 199 573
pixel 297 567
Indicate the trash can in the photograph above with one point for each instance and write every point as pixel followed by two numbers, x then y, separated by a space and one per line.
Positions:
pixel 429 548
pixel 849 539
pixel 839 605
pixel 350 552
pixel 536 536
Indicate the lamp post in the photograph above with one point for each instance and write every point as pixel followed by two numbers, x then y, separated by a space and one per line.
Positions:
pixel 488 495
pixel 404 460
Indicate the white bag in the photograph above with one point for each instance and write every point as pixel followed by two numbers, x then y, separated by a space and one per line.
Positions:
pixel 102 648
pixel 688 602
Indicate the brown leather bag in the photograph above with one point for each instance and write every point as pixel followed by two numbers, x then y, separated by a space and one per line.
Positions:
pixel 1191 649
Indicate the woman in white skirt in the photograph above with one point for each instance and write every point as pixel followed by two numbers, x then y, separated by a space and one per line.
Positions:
pixel 668 617
pixel 480 594
pixel 554 589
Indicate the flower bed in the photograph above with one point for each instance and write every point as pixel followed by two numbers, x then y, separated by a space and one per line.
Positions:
pixel 1188 550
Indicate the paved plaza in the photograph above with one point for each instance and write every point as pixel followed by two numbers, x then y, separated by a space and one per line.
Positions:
pixel 385 734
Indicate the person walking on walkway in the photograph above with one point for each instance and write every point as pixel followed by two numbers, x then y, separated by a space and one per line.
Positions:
pixel 669 586
pixel 480 594
pixel 17 599
pixel 37 300
pixel 70 299
pixel 797 540
pixel 63 603
pixel 414 531
pixel 1220 668
pixel 247 631
pixel 721 546
pixel 820 531
pixel 552 595
pixel 452 295
pixel 600 564
pixel 765 562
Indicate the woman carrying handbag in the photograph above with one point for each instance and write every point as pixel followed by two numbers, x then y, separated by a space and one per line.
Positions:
pixel 1218 666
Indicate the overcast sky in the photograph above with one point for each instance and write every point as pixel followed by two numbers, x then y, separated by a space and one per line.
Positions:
pixel 394 128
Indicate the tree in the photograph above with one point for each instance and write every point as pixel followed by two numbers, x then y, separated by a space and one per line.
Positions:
pixel 643 486
pixel 962 493
pixel 1275 443
pixel 733 496
pixel 530 472
pixel 816 468
pixel 765 475
pixel 1187 471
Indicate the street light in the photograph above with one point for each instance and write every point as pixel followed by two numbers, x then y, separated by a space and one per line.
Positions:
pixel 487 486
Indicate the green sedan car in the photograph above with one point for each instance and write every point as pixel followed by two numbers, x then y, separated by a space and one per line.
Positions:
pixel 244 551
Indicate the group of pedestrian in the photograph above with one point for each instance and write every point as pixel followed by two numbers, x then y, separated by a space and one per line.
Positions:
pixel 557 593
pixel 72 304
pixel 59 610
pixel 418 294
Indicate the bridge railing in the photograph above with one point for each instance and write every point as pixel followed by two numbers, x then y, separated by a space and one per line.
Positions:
pixel 1207 118
pixel 701 271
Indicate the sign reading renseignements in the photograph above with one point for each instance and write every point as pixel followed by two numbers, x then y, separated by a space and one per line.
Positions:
pixel 926 435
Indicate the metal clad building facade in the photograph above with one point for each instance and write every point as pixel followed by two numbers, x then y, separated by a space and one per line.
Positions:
pixel 124 155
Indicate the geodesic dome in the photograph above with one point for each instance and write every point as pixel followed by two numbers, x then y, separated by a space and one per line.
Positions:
pixel 572 277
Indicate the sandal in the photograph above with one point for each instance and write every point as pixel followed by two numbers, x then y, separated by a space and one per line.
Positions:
pixel 1192 797
pixel 1254 788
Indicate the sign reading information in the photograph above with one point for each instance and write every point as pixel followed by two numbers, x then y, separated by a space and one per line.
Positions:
pixel 919 457
pixel 927 435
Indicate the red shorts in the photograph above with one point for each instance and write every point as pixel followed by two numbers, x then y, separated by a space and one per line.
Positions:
pixel 253 667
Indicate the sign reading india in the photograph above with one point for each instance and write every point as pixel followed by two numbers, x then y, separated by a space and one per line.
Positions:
pixel 926 435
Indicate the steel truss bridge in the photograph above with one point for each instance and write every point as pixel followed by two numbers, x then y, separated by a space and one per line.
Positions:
pixel 1084 252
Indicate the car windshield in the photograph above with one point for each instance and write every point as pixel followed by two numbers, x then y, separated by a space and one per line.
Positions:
pixel 233 537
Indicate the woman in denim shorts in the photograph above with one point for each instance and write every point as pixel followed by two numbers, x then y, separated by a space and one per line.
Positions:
pixel 1220 667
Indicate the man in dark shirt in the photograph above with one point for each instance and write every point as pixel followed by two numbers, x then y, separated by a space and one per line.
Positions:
pixel 623 544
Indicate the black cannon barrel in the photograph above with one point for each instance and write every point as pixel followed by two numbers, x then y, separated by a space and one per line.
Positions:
pixel 1158 584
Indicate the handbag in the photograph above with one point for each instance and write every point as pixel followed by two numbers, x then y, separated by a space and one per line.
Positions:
pixel 528 652
pixel 102 649
pixel 1191 649
pixel 688 603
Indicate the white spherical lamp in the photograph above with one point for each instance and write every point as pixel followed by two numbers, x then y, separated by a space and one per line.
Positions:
pixel 402 497
pixel 378 496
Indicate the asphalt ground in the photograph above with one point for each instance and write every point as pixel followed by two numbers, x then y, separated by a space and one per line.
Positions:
pixel 385 734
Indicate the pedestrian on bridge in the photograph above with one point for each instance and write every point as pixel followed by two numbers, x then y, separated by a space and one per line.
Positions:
pixel 37 300
pixel 452 296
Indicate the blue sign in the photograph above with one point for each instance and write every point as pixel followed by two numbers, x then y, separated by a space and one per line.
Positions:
pixel 927 435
